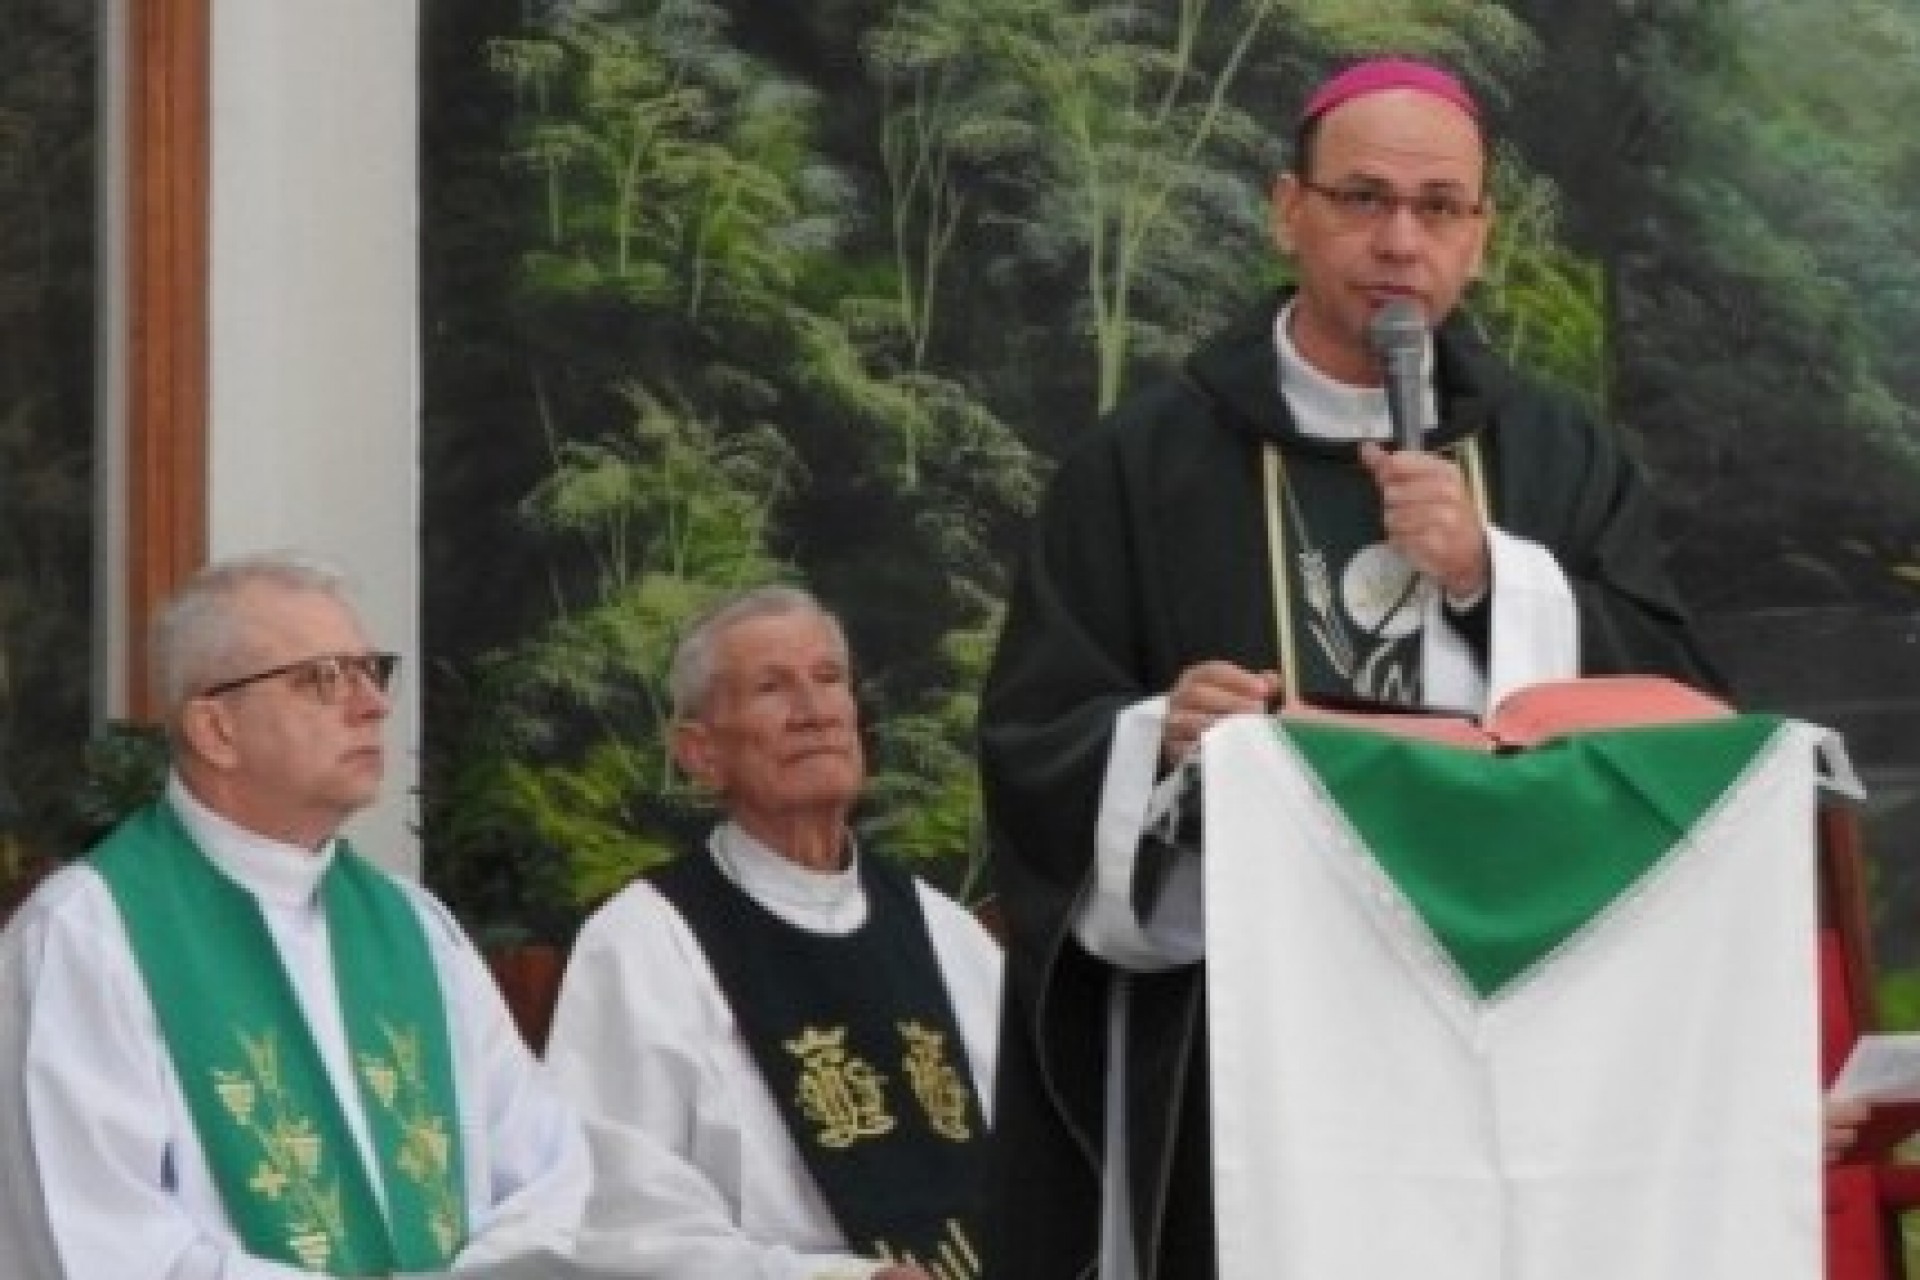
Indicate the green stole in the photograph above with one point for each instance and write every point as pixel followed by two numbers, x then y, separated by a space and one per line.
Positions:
pixel 275 1134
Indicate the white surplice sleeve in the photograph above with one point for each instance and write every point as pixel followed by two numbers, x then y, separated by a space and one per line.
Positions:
pixel 101 1181
pixel 1534 631
pixel 528 1168
pixel 972 967
pixel 1108 920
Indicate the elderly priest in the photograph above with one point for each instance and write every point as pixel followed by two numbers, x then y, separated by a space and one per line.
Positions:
pixel 809 1025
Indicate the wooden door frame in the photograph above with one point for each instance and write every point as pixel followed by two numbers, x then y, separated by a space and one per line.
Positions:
pixel 168 157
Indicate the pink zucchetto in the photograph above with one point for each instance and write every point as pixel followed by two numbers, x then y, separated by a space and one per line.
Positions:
pixel 1376 75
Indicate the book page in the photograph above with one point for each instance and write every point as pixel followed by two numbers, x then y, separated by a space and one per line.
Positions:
pixel 1530 716
pixel 1448 729
pixel 1555 708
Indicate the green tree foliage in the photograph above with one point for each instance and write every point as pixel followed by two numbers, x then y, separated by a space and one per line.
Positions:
pixel 1136 125
pixel 943 115
pixel 1544 303
pixel 682 282
pixel 564 781
pixel 1765 291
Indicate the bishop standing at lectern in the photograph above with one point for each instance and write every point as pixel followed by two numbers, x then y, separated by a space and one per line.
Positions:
pixel 1242 533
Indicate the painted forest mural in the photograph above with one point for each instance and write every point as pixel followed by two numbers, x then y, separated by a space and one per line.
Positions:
pixel 719 291
pixel 47 327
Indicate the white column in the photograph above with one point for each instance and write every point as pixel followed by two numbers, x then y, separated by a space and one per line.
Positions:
pixel 314 386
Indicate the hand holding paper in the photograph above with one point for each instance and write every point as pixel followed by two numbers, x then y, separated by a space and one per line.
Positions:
pixel 1881 1068
pixel 1884 1072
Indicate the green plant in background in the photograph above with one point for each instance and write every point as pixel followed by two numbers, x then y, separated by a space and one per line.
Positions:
pixel 923 802
pixel 556 786
pixel 47 326
pixel 1543 304
pixel 484 859
pixel 1898 999
pixel 122 767
pixel 1131 121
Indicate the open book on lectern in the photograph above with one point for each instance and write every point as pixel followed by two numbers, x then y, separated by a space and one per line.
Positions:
pixel 1528 717
pixel 1539 713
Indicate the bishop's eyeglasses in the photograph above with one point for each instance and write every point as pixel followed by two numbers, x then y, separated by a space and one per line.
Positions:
pixel 1368 204
pixel 329 677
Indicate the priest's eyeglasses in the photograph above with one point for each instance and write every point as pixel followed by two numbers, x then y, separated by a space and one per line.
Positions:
pixel 1367 204
pixel 329 677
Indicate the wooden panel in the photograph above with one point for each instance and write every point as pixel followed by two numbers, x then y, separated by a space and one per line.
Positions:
pixel 167 239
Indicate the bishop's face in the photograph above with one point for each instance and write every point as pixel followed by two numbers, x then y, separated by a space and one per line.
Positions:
pixel 778 734
pixel 1401 144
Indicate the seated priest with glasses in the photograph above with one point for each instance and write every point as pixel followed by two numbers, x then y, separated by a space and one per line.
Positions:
pixel 232 1047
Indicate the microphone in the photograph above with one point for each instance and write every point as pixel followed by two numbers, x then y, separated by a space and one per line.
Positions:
pixel 1398 335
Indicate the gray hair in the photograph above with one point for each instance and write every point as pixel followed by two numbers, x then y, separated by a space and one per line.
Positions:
pixel 690 679
pixel 197 635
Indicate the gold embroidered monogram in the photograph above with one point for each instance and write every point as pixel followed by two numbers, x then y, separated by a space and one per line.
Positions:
pixel 840 1093
pixel 425 1154
pixel 289 1172
pixel 943 1094
pixel 955 1256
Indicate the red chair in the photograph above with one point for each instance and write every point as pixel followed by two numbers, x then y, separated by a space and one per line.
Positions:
pixel 529 979
pixel 1866 1195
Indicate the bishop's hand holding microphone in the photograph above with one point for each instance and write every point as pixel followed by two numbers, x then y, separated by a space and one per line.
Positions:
pixel 1426 511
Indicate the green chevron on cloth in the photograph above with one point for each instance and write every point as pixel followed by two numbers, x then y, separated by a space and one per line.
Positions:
pixel 1543 1014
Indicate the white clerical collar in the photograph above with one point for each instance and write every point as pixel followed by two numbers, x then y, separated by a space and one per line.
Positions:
pixel 276 872
pixel 830 900
pixel 1326 408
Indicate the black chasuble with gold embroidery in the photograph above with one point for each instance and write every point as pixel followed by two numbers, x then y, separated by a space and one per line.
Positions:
pixel 856 1038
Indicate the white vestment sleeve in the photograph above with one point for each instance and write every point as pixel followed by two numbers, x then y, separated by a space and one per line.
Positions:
pixel 1105 920
pixel 527 1163
pixel 1533 631
pixel 90 1141
pixel 653 1215
pixel 971 966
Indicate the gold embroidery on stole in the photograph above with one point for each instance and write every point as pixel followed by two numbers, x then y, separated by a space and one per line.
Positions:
pixel 425 1157
pixel 957 1259
pixel 841 1093
pixel 942 1093
pixel 290 1152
